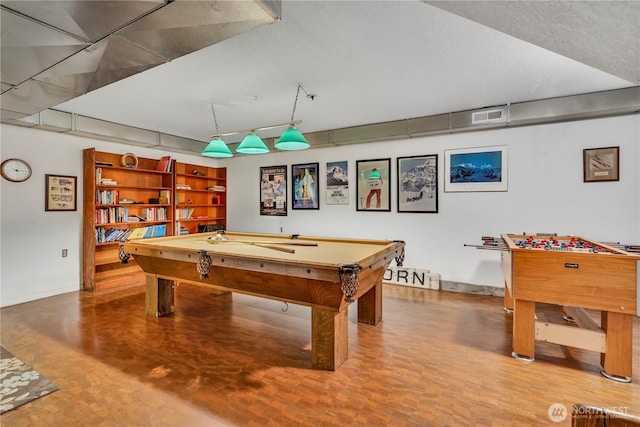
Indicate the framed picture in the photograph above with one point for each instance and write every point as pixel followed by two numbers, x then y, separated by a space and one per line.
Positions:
pixel 338 183
pixel 304 190
pixel 273 190
pixel 418 184
pixel 374 187
pixel 601 164
pixel 476 169
pixel 60 193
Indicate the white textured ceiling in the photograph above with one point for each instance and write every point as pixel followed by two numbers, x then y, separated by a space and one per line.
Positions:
pixel 376 61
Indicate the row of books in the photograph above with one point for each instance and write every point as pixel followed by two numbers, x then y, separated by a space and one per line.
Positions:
pixel 112 197
pixel 108 197
pixel 154 214
pixel 121 214
pixel 109 215
pixel 120 235
pixel 184 213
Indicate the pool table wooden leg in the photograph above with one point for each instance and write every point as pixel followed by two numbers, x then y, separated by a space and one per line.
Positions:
pixel 370 305
pixel 159 296
pixel 329 338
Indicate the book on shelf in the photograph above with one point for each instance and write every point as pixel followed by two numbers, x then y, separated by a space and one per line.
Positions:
pixel 184 213
pixel 119 235
pixel 164 164
pixel 216 188
pixel 112 214
pixel 108 181
pixel 158 230
pixel 107 197
pixel 166 194
pixel 183 187
pixel 111 235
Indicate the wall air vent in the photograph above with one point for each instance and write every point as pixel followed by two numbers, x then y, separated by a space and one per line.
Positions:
pixel 495 115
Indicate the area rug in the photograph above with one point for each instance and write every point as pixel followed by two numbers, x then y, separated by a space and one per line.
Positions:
pixel 20 383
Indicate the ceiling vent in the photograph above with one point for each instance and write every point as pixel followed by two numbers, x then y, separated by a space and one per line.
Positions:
pixel 494 115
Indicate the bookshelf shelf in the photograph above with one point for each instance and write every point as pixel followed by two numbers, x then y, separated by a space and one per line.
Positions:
pixel 105 185
pixel 159 196
pixel 201 198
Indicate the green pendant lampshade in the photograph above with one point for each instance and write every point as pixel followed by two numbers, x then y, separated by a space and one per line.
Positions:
pixel 374 174
pixel 292 139
pixel 252 144
pixel 217 148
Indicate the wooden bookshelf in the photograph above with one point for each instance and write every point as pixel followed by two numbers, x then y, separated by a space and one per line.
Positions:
pixel 121 198
pixel 201 197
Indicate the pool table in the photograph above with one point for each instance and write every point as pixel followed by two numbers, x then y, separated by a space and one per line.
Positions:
pixel 326 274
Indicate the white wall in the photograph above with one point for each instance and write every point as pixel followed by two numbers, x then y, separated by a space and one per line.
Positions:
pixel 546 194
pixel 31 240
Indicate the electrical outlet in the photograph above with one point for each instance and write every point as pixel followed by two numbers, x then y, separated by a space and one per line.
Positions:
pixel 64 253
pixel 281 229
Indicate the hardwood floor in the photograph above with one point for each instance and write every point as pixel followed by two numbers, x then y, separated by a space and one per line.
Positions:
pixel 437 358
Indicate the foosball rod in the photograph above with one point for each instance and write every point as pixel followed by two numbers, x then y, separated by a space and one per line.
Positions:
pixel 495 247
pixel 634 249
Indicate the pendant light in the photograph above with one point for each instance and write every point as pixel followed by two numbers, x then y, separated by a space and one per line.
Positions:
pixel 252 144
pixel 292 138
pixel 216 147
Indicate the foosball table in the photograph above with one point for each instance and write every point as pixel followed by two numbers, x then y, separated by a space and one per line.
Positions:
pixel 577 274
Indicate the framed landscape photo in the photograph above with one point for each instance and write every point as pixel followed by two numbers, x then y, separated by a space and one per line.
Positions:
pixel 304 188
pixel 374 186
pixel 418 184
pixel 476 169
pixel 60 193
pixel 273 190
pixel 601 164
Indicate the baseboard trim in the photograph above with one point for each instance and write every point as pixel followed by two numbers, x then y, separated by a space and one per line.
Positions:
pixel 467 288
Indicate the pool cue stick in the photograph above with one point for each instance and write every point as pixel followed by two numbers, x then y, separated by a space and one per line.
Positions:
pixel 277 248
pixel 267 242
pixel 260 244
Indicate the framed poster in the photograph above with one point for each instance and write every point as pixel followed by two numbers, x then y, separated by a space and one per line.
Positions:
pixel 418 184
pixel 476 169
pixel 60 193
pixel 304 191
pixel 338 183
pixel 601 164
pixel 273 190
pixel 374 188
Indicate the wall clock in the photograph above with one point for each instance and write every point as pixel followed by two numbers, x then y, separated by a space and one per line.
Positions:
pixel 15 170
